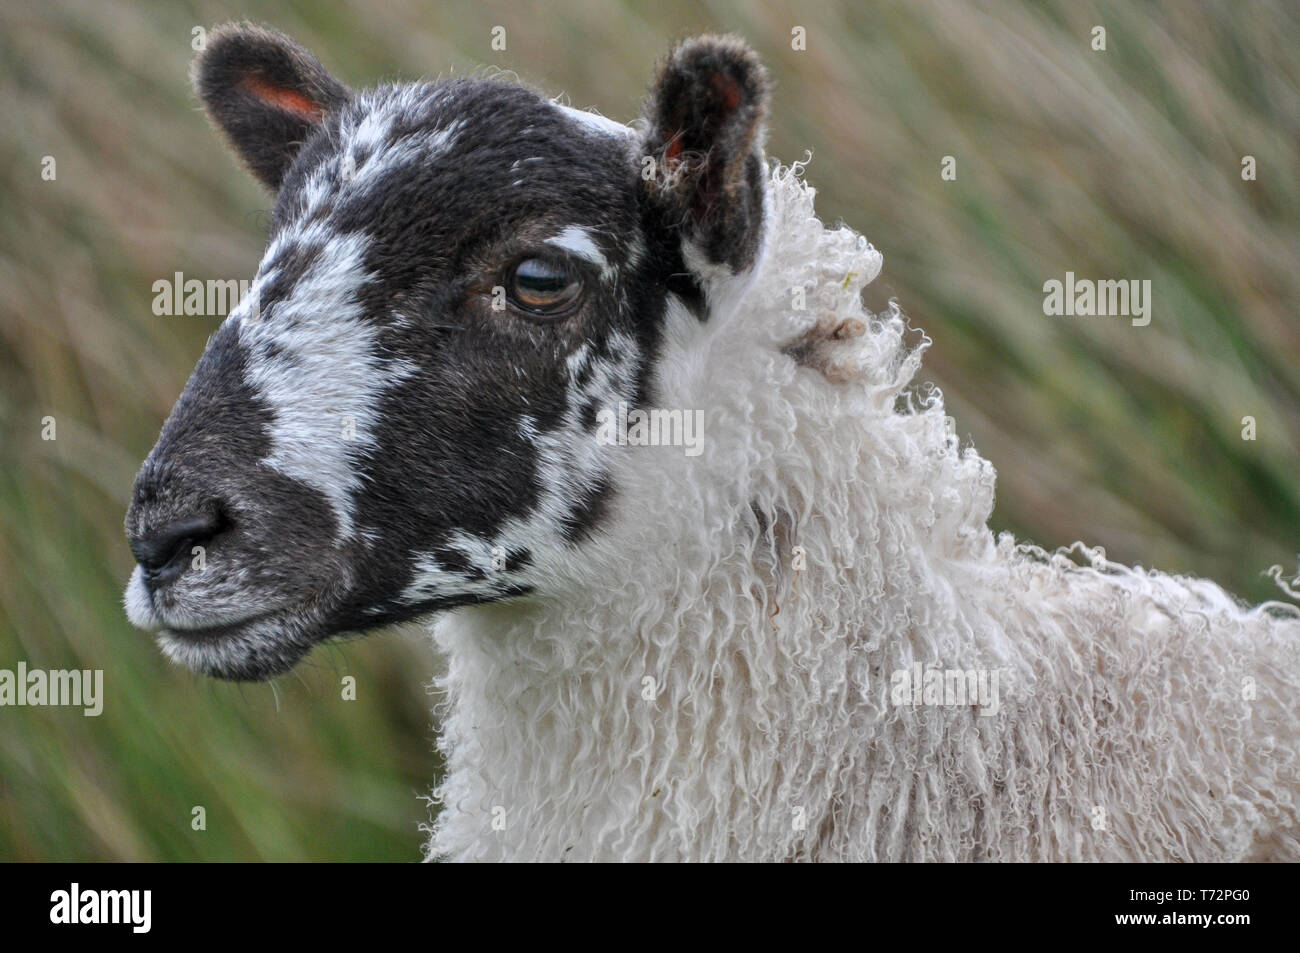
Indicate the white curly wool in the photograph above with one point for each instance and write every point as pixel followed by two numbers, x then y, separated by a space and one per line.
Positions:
pixel 718 681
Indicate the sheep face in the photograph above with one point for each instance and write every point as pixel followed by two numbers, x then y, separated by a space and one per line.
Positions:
pixel 401 416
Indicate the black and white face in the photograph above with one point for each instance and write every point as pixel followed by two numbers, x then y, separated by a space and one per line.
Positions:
pixel 401 417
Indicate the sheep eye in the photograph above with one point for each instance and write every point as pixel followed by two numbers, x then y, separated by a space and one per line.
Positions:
pixel 543 287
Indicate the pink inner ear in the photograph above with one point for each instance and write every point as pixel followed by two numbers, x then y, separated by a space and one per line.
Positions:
pixel 287 99
pixel 727 89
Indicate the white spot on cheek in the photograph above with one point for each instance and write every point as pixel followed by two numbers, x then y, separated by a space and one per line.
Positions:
pixel 578 359
pixel 314 360
pixel 431 581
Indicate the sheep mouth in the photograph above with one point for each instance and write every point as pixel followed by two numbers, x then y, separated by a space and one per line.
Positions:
pixel 214 633
pixel 209 633
pixel 253 649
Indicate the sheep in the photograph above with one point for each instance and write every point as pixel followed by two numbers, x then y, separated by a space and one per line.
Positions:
pixel 786 634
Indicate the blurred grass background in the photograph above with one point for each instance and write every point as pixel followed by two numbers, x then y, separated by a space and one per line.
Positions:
pixel 1116 164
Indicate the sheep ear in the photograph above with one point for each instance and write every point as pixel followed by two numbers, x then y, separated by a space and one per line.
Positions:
pixel 266 94
pixel 703 147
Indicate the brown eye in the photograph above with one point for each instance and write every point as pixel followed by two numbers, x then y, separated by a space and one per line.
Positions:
pixel 540 286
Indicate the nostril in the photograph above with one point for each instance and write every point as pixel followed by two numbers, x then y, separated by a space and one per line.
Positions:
pixel 162 551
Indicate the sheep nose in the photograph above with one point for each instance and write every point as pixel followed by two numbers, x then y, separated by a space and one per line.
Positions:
pixel 162 551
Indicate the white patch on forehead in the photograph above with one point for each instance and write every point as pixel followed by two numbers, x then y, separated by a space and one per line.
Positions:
pixel 579 241
pixel 372 132
pixel 370 147
pixel 377 151
pixel 596 122
pixel 314 360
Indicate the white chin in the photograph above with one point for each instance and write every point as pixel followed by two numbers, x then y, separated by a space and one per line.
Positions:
pixel 251 651
pixel 198 656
